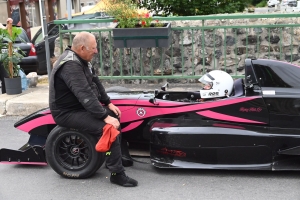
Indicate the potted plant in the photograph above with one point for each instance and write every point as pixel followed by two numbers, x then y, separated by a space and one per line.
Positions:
pixel 10 58
pixel 136 27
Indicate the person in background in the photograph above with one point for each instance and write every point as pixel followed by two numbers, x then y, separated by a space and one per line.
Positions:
pixel 3 72
pixel 76 96
pixel 15 14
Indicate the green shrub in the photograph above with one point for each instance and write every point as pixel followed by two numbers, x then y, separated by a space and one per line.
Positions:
pixel 195 7
pixel 255 2
pixel 263 3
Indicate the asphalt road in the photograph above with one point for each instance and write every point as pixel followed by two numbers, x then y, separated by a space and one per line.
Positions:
pixel 20 182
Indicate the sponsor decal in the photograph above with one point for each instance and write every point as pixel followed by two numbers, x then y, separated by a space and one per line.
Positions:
pixel 251 109
pixel 75 150
pixel 141 112
pixel 70 175
pixel 213 94
pixel 268 92
pixel 175 153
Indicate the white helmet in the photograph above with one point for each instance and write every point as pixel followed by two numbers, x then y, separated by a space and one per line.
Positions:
pixel 221 84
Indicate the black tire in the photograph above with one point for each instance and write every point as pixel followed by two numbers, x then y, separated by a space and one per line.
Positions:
pixel 72 154
pixel 117 89
pixel 43 71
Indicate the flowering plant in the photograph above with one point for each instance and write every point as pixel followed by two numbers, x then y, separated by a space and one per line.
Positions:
pixel 127 13
pixel 145 19
pixel 158 23
pixel 10 56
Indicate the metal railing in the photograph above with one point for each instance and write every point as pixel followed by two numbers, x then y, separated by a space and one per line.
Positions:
pixel 191 61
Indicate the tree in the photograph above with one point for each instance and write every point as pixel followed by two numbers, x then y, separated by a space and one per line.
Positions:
pixel 194 7
pixel 254 2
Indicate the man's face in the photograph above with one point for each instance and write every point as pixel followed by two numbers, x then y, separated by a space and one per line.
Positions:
pixel 89 50
pixel 207 87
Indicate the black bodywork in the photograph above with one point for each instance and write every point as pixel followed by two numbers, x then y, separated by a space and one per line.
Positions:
pixel 272 144
pixel 256 127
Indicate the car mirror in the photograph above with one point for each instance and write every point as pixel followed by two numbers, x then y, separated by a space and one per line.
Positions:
pixel 153 101
pixel 165 87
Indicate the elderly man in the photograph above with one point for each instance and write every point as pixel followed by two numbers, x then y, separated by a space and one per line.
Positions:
pixel 74 100
pixel 3 72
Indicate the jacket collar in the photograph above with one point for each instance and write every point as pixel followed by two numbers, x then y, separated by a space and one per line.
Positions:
pixel 80 59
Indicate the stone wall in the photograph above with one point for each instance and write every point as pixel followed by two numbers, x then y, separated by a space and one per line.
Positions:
pixel 224 49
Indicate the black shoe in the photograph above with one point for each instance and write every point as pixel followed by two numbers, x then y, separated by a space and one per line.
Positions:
pixel 122 179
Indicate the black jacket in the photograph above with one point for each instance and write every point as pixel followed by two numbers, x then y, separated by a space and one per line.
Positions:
pixel 73 87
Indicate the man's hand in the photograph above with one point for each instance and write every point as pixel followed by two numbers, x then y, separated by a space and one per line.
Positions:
pixel 115 109
pixel 113 121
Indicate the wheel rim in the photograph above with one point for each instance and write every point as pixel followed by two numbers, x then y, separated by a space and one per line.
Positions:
pixel 73 152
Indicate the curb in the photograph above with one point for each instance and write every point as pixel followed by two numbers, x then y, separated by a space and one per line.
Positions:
pixel 29 101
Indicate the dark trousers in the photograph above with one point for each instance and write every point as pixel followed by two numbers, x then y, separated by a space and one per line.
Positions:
pixel 86 123
pixel 3 74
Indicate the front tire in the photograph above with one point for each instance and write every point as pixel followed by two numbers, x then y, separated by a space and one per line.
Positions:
pixel 72 154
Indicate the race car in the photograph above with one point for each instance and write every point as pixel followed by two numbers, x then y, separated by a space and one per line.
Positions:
pixel 256 126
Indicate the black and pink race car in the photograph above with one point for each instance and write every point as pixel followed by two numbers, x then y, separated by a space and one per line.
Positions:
pixel 257 127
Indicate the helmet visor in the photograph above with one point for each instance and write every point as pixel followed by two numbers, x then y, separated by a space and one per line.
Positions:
pixel 207 79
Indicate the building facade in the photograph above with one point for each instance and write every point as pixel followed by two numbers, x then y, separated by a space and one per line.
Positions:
pixel 26 13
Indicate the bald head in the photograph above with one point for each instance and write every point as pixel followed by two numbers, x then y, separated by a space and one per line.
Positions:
pixel 82 39
pixel 84 44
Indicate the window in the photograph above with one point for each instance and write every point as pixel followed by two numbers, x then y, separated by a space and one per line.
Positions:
pixel 54 31
pixel 39 38
pixel 22 37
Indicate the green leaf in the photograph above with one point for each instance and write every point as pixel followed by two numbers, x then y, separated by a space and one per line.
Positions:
pixel 195 7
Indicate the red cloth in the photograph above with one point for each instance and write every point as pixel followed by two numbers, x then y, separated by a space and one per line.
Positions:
pixel 108 137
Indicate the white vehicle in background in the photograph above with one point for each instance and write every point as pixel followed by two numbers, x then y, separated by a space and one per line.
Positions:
pixel 272 3
pixel 292 4
pixel 288 2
